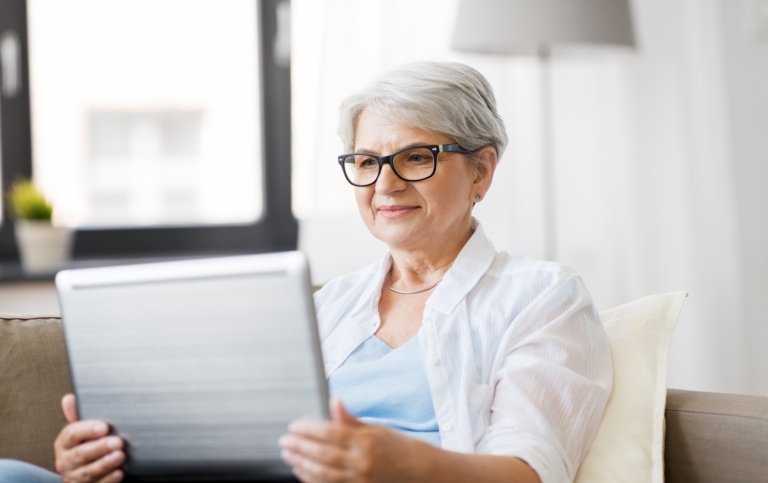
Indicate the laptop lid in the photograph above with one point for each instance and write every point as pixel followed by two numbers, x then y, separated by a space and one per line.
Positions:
pixel 199 365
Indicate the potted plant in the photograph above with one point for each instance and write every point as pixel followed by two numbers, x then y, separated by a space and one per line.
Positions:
pixel 43 247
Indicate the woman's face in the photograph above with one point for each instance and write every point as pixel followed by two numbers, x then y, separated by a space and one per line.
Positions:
pixel 418 215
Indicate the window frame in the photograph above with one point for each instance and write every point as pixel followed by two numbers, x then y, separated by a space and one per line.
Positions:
pixel 276 230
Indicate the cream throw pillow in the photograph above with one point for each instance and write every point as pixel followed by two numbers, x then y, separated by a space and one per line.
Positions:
pixel 629 446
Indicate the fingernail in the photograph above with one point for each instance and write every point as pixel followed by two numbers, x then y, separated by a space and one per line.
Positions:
pixel 282 441
pixel 115 456
pixel 288 456
pixel 114 443
pixel 100 428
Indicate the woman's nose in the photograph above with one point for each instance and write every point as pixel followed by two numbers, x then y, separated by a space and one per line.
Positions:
pixel 388 181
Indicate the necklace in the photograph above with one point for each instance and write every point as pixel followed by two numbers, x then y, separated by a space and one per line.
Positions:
pixel 404 292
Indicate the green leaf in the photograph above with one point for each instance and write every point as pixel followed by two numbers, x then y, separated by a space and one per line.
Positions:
pixel 26 202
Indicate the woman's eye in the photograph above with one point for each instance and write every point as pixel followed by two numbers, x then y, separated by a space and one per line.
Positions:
pixel 367 163
pixel 417 158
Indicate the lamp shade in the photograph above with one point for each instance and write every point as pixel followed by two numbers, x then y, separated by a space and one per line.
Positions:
pixel 524 26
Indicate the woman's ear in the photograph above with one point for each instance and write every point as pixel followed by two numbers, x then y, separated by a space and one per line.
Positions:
pixel 485 166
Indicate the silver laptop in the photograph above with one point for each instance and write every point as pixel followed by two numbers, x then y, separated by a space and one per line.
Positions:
pixel 199 365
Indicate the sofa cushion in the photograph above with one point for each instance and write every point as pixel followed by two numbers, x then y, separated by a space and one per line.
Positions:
pixel 34 375
pixel 716 437
pixel 629 443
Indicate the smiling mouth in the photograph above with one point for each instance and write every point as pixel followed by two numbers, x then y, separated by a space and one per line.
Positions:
pixel 392 212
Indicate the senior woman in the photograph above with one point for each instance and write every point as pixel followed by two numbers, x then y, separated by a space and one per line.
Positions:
pixel 448 361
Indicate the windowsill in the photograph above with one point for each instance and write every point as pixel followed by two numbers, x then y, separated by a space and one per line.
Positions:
pixel 11 271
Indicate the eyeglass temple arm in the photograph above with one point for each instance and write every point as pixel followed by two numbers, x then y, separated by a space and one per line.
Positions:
pixel 453 148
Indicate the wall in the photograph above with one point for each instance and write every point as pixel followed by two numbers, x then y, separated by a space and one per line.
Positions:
pixel 746 71
pixel 659 155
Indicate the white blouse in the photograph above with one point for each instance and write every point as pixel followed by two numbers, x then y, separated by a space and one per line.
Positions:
pixel 516 358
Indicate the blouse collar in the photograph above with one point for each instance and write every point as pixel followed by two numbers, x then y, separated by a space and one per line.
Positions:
pixel 474 259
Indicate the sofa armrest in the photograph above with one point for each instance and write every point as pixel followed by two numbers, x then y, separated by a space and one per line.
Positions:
pixel 34 375
pixel 713 437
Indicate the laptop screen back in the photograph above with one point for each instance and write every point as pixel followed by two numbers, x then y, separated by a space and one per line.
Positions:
pixel 199 365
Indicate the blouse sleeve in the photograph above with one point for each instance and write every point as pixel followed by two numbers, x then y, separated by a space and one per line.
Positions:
pixel 552 380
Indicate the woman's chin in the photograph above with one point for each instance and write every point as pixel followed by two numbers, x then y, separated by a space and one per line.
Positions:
pixel 396 220
pixel 398 234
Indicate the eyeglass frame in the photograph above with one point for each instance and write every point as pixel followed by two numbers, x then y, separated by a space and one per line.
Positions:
pixel 435 149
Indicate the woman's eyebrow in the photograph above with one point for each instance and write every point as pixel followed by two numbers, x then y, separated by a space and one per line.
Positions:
pixel 364 151
pixel 408 146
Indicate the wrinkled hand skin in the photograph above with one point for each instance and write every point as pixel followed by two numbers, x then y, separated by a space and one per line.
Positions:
pixel 85 452
pixel 347 450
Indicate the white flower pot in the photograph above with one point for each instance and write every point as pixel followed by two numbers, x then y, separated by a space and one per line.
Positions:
pixel 44 248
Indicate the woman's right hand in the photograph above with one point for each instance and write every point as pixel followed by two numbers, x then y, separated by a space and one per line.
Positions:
pixel 85 452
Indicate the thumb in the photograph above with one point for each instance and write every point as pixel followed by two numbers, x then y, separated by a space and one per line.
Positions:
pixel 340 415
pixel 69 407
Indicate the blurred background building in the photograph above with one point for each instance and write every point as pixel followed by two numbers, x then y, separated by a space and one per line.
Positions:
pixel 146 119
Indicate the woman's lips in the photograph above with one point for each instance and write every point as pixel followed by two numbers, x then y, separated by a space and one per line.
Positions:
pixel 395 211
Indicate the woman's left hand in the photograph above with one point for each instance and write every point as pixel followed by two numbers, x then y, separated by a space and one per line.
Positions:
pixel 347 450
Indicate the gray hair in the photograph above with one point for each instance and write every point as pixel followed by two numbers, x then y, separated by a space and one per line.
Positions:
pixel 442 97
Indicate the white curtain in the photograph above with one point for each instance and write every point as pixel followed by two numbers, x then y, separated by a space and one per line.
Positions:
pixel 646 194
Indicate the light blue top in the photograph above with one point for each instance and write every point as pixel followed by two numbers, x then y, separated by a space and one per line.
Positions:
pixel 386 386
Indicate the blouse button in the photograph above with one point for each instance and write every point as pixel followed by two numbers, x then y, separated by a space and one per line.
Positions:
pixel 448 426
pixel 435 361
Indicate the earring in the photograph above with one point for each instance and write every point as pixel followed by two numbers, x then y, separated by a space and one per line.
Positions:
pixel 477 196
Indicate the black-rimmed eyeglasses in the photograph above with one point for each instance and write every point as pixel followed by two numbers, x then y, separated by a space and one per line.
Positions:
pixel 416 163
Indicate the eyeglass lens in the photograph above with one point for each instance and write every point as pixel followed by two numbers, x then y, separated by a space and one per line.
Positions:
pixel 412 165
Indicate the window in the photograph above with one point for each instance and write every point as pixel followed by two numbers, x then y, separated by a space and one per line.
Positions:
pixel 157 127
pixel 147 168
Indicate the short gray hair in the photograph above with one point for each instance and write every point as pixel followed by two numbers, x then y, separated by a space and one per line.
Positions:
pixel 442 97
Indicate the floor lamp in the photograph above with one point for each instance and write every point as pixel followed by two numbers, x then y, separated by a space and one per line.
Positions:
pixel 534 27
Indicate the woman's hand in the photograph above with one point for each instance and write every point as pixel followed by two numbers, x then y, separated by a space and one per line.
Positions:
pixel 346 450
pixel 85 453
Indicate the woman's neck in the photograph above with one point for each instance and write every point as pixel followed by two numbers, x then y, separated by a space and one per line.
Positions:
pixel 415 268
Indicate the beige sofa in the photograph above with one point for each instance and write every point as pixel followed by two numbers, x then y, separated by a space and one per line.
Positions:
pixel 709 437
